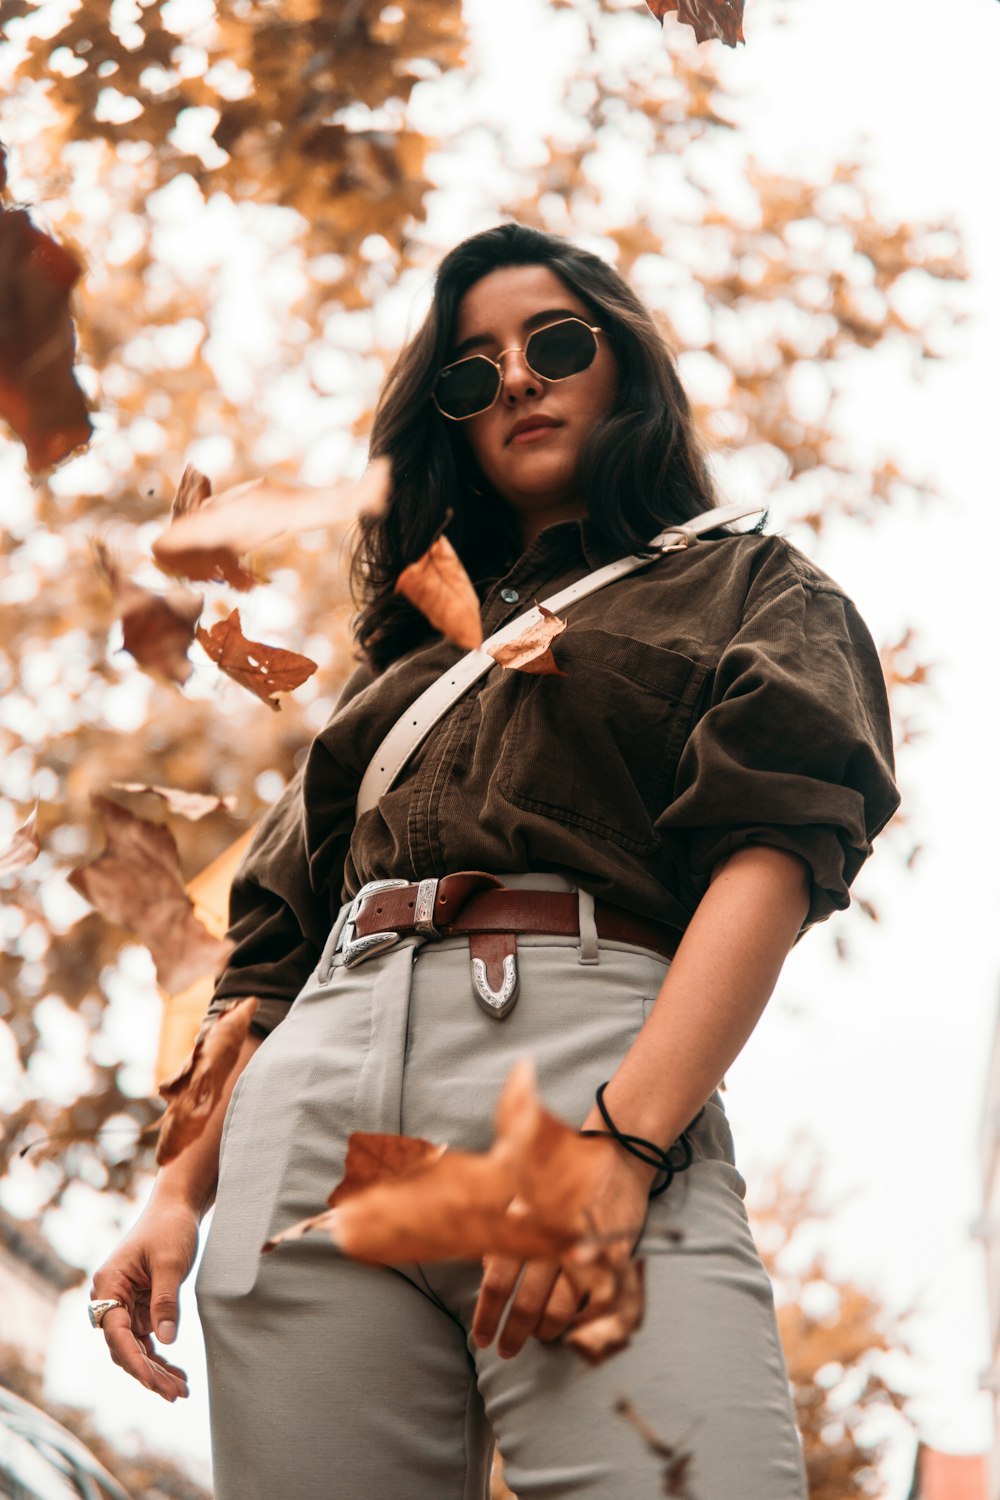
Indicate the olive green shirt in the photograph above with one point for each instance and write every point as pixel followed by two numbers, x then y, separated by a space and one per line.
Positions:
pixel 725 695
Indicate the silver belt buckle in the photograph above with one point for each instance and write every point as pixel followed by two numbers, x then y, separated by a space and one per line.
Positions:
pixel 354 949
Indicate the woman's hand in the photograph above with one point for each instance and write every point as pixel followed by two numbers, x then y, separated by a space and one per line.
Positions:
pixel 546 1303
pixel 145 1272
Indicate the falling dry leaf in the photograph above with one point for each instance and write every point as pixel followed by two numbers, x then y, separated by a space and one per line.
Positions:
pixel 262 670
pixel 531 651
pixel 441 589
pixel 196 1089
pixel 207 537
pixel 23 846
pixel 375 1158
pixel 192 491
pixel 711 19
pixel 453 1208
pixel 405 1199
pixel 615 1311
pixel 457 1205
pixel 137 883
pixel 676 1461
pixel 157 628
pixel 192 805
pixel 39 396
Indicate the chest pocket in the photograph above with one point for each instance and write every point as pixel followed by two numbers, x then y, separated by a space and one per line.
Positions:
pixel 599 748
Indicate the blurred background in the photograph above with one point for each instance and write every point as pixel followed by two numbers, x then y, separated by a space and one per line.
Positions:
pixel 258 194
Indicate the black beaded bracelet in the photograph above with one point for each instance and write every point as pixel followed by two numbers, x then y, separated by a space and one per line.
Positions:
pixel 648 1151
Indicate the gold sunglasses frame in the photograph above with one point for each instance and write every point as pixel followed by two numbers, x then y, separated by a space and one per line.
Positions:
pixel 514 349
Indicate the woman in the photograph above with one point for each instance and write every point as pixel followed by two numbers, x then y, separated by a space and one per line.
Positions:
pixel 701 784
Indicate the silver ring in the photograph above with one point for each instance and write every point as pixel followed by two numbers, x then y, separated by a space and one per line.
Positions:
pixel 98 1309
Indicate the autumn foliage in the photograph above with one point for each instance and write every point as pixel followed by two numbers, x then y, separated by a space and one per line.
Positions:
pixel 290 152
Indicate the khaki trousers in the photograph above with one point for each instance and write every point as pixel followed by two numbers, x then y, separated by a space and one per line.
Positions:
pixel 331 1380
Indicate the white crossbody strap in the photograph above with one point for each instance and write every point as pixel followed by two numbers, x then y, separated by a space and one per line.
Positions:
pixel 413 727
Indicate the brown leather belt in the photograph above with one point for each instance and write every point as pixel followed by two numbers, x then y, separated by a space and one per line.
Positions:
pixel 471 902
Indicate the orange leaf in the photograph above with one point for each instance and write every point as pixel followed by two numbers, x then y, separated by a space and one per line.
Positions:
pixel 157 628
pixel 531 650
pixel 458 1205
pixel 614 1282
pixel 711 19
pixel 375 1158
pixel 192 805
pixel 23 846
pixel 193 490
pixel 262 670
pixel 454 1208
pixel 441 589
pixel 194 1091
pixel 676 1461
pixel 205 540
pixel 137 883
pixel 39 396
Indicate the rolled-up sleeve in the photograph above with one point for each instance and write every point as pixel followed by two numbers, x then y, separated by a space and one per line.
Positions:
pixel 793 747
pixel 278 919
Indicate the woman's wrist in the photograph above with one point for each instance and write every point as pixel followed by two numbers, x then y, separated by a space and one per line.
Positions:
pixel 173 1189
pixel 644 1174
pixel 661 1163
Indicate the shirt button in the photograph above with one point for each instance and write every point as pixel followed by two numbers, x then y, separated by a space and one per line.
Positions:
pixel 509 596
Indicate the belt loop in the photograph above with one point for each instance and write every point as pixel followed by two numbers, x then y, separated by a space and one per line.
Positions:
pixel 330 946
pixel 589 953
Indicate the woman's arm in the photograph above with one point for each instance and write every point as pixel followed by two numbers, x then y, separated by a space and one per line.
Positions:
pixel 711 999
pixel 146 1269
pixel 713 995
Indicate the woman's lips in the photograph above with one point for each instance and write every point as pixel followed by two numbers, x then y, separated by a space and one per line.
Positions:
pixel 532 434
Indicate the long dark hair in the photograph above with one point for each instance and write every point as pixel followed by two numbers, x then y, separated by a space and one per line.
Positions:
pixel 640 470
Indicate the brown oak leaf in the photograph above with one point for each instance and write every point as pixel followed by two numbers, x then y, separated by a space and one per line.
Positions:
pixel 157 628
pixel 459 1205
pixel 438 585
pixel 531 651
pixel 39 396
pixel 712 20
pixel 208 536
pixel 375 1158
pixel 194 1091
pixel 23 847
pixel 676 1461
pixel 191 805
pixel 137 883
pixel 613 1281
pixel 262 670
pixel 193 489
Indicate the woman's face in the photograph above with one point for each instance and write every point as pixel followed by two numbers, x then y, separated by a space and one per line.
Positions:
pixel 532 466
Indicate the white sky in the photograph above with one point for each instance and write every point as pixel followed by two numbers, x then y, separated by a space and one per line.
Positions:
pixel 881 1062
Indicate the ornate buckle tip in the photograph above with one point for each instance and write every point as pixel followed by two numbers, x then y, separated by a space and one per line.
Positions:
pixel 496 1003
pixel 355 949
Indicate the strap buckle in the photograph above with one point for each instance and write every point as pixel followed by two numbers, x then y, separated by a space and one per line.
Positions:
pixel 354 949
pixel 676 538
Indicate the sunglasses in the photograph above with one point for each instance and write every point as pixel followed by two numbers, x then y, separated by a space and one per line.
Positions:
pixel 555 352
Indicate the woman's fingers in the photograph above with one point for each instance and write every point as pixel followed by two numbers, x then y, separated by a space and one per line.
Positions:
pixel 545 1304
pixel 168 1273
pixel 528 1306
pixel 500 1273
pixel 137 1357
pixel 175 1372
pixel 562 1307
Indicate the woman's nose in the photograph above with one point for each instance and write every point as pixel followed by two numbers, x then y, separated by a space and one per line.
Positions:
pixel 519 380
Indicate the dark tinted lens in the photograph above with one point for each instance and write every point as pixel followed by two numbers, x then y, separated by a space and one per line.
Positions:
pixel 561 350
pixel 467 387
